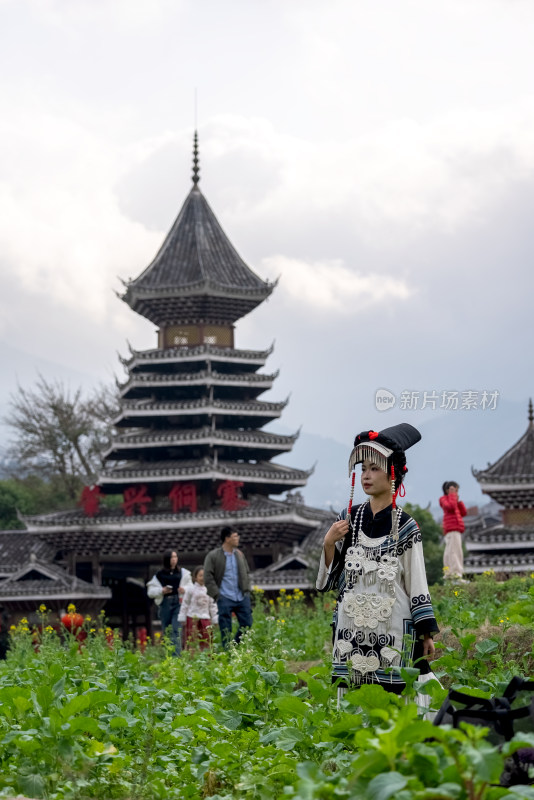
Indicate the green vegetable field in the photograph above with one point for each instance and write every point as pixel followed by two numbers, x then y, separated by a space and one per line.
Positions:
pixel 102 719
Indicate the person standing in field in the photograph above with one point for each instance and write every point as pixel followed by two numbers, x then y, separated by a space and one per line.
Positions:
pixel 173 580
pixel 453 527
pixel 373 557
pixel 198 612
pixel 227 580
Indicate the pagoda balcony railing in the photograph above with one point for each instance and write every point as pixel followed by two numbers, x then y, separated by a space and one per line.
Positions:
pixel 206 469
pixel 507 538
pixel 147 407
pixel 171 354
pixel 203 378
pixel 499 563
pixel 205 435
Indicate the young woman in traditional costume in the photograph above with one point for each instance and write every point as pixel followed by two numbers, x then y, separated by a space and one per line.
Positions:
pixel 373 556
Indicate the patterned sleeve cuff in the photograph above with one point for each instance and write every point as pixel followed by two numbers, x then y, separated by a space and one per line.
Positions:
pixel 423 616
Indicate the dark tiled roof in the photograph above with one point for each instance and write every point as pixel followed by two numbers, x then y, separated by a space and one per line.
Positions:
pixel 247 408
pixel 515 466
pixel 147 542
pixel 17 546
pixel 206 468
pixel 149 380
pixel 263 510
pixel 49 581
pixel 286 579
pixel 181 436
pixel 196 260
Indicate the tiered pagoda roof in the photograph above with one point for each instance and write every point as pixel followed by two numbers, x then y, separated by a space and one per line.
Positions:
pixel 197 274
pixel 508 545
pixel 510 480
pixel 189 455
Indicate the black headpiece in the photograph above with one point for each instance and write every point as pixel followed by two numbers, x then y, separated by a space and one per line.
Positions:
pixel 380 446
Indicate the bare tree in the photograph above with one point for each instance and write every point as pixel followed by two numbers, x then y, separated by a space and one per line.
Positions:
pixel 59 433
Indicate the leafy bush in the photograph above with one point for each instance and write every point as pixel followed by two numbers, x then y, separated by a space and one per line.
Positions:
pixel 102 719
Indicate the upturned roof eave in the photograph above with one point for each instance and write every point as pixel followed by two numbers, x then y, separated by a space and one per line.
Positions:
pixel 197 353
pixel 500 472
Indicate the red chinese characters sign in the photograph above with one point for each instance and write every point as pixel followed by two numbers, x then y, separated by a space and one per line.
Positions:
pixel 136 499
pixel 229 494
pixel 90 500
pixel 184 496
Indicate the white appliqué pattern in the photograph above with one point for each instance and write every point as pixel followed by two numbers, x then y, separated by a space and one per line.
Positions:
pixel 367 610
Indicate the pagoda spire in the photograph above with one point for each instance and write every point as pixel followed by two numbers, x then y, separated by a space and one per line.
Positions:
pixel 530 414
pixel 196 168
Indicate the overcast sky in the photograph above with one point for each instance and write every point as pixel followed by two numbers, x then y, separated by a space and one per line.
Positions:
pixel 378 157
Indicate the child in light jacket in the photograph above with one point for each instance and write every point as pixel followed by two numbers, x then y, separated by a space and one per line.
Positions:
pixel 198 611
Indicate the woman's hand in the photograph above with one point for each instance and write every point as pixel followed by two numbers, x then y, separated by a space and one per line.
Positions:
pixel 167 589
pixel 428 646
pixel 334 534
pixel 337 531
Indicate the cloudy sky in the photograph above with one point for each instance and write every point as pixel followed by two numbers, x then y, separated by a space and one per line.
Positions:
pixel 378 157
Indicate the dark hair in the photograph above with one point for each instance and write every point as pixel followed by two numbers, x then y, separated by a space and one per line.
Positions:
pixel 167 558
pixel 196 571
pixel 226 532
pixel 447 485
pixel 398 460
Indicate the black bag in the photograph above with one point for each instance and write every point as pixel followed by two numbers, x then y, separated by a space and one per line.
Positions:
pixel 503 720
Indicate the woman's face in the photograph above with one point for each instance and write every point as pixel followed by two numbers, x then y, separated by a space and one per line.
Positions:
pixel 200 577
pixel 173 559
pixel 374 480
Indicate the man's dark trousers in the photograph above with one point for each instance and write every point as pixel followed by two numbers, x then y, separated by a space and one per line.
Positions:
pixel 243 612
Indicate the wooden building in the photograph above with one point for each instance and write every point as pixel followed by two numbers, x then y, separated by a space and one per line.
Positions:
pixel 190 454
pixel 507 546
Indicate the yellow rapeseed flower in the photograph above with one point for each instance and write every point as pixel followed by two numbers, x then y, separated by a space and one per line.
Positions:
pixel 12 627
pixel 42 608
pixel 456 592
pixel 49 629
pixel 282 591
pixel 88 618
pixel 71 608
pixel 271 602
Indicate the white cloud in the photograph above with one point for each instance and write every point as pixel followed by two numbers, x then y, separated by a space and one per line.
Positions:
pixel 62 234
pixel 329 286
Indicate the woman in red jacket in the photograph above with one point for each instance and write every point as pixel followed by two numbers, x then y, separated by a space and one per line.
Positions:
pixel 453 527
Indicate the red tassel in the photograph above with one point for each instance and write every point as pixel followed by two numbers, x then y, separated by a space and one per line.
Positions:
pixel 402 491
pixel 393 492
pixel 351 492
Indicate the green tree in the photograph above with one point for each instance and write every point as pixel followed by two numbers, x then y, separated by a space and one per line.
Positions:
pixel 29 495
pixel 432 541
